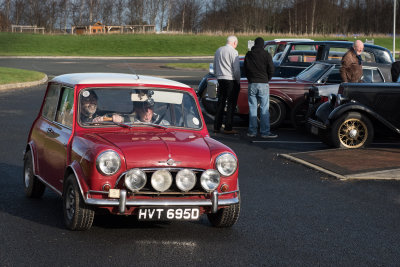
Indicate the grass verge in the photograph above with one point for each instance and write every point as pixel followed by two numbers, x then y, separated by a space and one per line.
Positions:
pixel 188 66
pixel 11 75
pixel 129 45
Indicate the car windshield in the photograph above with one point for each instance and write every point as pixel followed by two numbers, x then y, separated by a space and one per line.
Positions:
pixel 129 107
pixel 313 73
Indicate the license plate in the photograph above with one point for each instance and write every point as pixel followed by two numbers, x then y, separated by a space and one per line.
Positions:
pixel 314 130
pixel 167 214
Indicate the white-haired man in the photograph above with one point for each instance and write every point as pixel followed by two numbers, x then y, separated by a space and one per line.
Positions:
pixel 351 69
pixel 227 71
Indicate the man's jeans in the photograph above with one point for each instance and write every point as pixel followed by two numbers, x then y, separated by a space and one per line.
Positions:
pixel 260 92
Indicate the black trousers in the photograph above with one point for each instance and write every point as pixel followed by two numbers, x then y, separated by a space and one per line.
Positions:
pixel 228 91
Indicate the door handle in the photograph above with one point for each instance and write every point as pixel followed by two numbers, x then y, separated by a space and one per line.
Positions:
pixel 50 130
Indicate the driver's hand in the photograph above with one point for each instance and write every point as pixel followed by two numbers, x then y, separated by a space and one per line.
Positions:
pixel 98 119
pixel 117 118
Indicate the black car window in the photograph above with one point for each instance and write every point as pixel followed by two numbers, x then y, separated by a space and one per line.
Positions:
pixel 382 56
pixel 334 76
pixel 367 56
pixel 313 73
pixel 377 77
pixel 50 104
pixel 66 107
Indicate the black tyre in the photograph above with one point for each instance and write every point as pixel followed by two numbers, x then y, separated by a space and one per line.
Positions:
pixel 299 115
pixel 352 130
pixel 225 217
pixel 33 187
pixel 77 215
pixel 277 112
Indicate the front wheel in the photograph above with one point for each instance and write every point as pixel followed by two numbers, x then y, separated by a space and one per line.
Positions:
pixel 225 217
pixel 77 215
pixel 32 186
pixel 352 130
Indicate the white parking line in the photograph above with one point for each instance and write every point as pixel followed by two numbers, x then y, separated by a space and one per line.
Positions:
pixel 285 142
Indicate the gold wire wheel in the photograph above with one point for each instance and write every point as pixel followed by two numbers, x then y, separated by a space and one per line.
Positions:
pixel 353 133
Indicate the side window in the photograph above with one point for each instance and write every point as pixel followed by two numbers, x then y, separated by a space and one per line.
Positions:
pixel 65 111
pixel 50 104
pixel 336 53
pixel 377 77
pixel 334 77
pixel 368 57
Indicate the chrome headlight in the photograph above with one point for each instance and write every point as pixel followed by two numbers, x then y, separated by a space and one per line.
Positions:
pixel 209 180
pixel 135 180
pixel 161 180
pixel 226 164
pixel 185 180
pixel 108 162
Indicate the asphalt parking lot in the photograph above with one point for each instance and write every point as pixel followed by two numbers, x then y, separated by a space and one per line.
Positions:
pixel 291 214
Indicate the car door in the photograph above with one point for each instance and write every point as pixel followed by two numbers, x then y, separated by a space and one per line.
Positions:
pixel 41 128
pixel 57 136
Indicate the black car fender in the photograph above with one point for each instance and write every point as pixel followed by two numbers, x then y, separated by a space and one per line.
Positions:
pixel 354 106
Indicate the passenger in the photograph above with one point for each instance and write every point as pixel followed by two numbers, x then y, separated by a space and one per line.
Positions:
pixel 88 110
pixel 145 113
pixel 351 69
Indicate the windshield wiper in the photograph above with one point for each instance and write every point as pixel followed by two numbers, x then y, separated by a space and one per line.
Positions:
pixel 108 123
pixel 151 124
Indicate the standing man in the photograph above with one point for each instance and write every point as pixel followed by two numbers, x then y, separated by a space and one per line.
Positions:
pixel 351 69
pixel 227 71
pixel 259 69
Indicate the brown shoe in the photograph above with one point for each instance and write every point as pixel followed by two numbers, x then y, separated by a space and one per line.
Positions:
pixel 230 132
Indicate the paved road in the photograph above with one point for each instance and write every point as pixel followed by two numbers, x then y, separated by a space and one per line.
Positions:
pixel 290 216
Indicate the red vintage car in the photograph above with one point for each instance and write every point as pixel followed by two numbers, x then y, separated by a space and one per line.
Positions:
pixel 129 145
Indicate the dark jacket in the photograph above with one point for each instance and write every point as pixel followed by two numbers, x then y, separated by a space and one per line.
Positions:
pixel 258 63
pixel 351 69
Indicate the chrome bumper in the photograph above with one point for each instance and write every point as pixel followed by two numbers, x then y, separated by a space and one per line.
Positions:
pixel 122 202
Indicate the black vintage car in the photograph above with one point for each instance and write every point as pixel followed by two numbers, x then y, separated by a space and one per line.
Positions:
pixel 350 118
pixel 298 56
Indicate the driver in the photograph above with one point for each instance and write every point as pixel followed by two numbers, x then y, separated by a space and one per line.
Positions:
pixel 88 107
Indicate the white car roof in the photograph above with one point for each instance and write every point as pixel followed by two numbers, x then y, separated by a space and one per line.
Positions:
pixel 113 78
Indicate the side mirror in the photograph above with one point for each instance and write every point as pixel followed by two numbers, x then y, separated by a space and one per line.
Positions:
pixel 211 68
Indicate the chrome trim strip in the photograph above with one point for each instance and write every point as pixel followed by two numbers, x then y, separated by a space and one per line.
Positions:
pixel 161 202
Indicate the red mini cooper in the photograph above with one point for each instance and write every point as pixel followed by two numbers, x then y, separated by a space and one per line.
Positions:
pixel 129 145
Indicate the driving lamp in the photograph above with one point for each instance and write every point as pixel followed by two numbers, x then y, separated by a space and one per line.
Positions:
pixel 135 180
pixel 108 162
pixel 209 180
pixel 161 180
pixel 226 164
pixel 185 180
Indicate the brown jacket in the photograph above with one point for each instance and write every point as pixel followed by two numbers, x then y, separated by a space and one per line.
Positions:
pixel 351 70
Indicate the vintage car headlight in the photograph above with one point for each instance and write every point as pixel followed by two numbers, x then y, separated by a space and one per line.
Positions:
pixel 226 164
pixel 161 180
pixel 108 162
pixel 185 180
pixel 135 180
pixel 209 180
